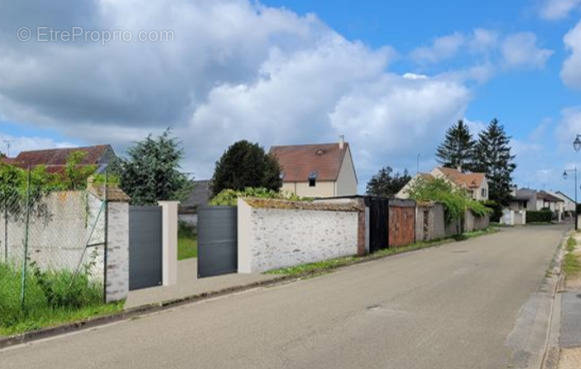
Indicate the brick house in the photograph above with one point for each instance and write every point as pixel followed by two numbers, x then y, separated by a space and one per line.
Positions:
pixel 317 170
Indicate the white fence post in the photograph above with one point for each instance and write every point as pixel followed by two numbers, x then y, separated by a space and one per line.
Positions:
pixel 169 226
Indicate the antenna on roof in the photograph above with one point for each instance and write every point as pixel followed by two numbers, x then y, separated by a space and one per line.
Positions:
pixel 7 143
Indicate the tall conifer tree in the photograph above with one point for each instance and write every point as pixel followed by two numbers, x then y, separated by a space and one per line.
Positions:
pixel 492 156
pixel 457 150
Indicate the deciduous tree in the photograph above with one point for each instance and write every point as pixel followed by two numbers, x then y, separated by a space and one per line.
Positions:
pixel 386 183
pixel 245 164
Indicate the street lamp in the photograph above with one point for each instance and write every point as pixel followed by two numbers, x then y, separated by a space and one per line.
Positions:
pixel 574 170
pixel 577 143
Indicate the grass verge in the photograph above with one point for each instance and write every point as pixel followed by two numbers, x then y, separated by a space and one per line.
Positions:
pixel 571 264
pixel 187 241
pixel 52 298
pixel 187 247
pixel 328 265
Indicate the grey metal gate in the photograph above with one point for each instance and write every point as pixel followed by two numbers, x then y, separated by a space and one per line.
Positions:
pixel 145 246
pixel 217 241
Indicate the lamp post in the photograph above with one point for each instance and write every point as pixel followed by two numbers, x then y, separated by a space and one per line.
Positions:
pixel 577 143
pixel 576 147
pixel 574 170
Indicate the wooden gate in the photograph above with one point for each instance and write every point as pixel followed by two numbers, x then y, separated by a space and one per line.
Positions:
pixel 402 223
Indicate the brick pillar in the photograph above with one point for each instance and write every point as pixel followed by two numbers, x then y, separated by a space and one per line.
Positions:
pixel 117 251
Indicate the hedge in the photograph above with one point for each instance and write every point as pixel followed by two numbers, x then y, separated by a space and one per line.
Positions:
pixel 539 216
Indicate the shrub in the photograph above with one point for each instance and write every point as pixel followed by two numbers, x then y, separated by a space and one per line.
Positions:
pixel 230 197
pixel 539 216
pixel 455 202
pixel 185 229
pixel 47 293
pixel 496 208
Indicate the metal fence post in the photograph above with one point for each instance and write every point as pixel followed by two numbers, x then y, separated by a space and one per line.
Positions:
pixel 105 232
pixel 5 196
pixel 24 260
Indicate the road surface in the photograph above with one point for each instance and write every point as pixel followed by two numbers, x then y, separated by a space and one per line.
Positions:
pixel 470 304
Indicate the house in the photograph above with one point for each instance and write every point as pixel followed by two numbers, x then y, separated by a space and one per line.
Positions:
pixel 55 160
pixel 569 203
pixel 533 200
pixel 475 184
pixel 198 198
pixel 317 170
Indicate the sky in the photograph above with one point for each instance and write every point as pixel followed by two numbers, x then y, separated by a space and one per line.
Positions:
pixel 390 76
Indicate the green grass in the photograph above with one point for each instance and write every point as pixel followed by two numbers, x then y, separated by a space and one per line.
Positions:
pixel 187 247
pixel 328 265
pixel 51 298
pixel 187 241
pixel 571 264
pixel 53 317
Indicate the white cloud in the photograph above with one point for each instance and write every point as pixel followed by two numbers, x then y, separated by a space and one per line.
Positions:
pixel 571 70
pixel 569 127
pixel 483 40
pixel 12 145
pixel 442 48
pixel 557 9
pixel 475 126
pixel 236 69
pixel 521 50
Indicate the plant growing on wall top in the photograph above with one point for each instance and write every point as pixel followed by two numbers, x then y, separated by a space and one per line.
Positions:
pixel 230 197
pixel 455 201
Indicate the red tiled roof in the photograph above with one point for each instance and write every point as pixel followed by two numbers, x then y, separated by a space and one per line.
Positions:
pixel 299 161
pixel 58 157
pixel 469 180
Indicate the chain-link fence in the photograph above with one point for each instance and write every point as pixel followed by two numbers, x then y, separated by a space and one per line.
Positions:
pixel 51 247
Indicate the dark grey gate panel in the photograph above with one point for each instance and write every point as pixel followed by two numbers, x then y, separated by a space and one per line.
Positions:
pixel 217 241
pixel 145 246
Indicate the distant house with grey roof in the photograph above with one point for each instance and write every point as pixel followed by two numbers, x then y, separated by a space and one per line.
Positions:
pixel 533 200
pixel 198 198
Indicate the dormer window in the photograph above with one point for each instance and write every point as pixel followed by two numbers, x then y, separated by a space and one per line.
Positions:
pixel 313 178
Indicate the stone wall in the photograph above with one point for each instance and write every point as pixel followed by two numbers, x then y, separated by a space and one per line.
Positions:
pixel 430 222
pixel 59 235
pixel 276 234
pixel 436 226
pixel 473 222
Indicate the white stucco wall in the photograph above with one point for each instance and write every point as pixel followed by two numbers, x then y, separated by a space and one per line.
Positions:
pixel 346 184
pixel 321 189
pixel 270 238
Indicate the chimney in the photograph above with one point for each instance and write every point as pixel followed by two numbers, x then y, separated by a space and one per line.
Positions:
pixel 459 168
pixel 341 142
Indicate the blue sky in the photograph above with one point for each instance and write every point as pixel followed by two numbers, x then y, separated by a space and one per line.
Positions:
pixel 390 76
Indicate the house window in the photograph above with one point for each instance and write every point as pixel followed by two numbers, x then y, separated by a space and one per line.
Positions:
pixel 313 178
pixel 483 192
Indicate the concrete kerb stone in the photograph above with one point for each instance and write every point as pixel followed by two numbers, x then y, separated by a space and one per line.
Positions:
pixel 168 304
pixel 550 358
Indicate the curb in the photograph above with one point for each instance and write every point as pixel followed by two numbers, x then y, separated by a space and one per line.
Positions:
pixel 550 358
pixel 133 312
pixel 44 333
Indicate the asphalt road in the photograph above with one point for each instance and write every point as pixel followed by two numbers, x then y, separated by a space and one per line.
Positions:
pixel 470 304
